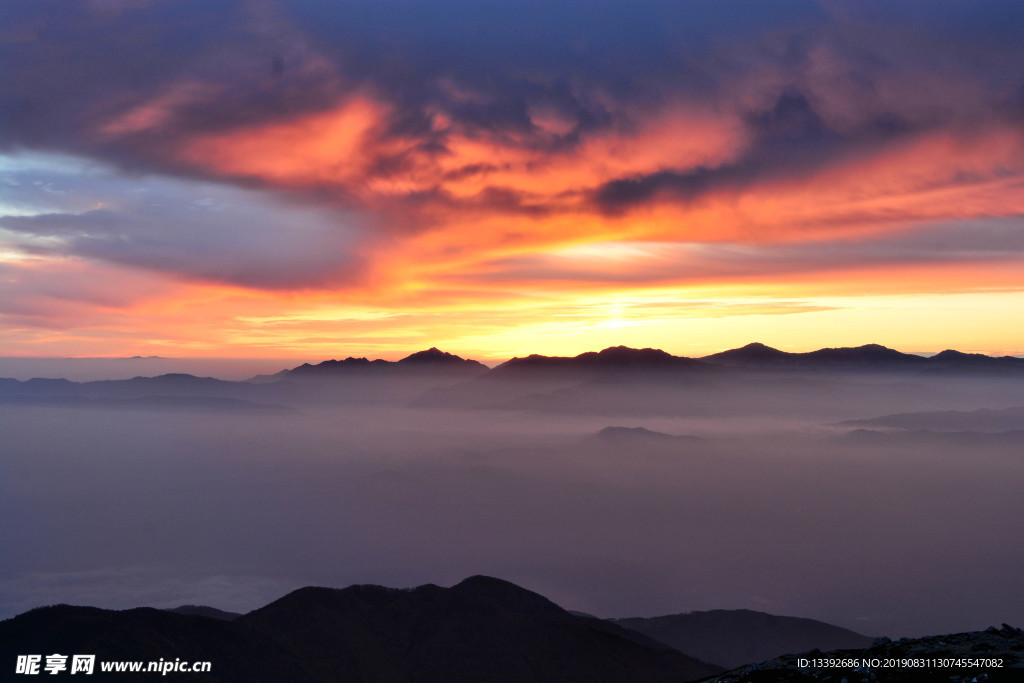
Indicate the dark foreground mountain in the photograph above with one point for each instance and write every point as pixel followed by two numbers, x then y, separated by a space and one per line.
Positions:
pixel 994 655
pixel 734 637
pixel 204 611
pixel 482 629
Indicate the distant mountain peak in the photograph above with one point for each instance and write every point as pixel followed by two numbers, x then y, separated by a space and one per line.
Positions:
pixel 953 354
pixel 863 349
pixel 873 357
pixel 753 351
pixel 613 358
pixel 482 580
pixel 433 355
pixel 430 361
pixel 626 353
pixel 505 593
pixel 757 346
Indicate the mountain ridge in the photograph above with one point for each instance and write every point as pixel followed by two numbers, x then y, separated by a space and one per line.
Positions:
pixel 595 381
pixel 754 356
pixel 429 360
pixel 731 638
pixel 993 655
pixel 480 629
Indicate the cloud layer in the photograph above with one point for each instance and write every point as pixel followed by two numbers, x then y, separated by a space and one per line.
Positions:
pixel 377 151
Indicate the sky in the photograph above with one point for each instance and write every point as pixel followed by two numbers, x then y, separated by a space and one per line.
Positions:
pixel 310 179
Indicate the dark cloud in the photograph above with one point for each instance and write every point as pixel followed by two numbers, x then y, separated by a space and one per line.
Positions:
pixel 189 229
pixel 789 140
pixel 809 84
pixel 71 68
pixel 506 42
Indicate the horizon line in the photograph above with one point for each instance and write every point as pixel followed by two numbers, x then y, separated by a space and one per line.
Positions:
pixel 497 359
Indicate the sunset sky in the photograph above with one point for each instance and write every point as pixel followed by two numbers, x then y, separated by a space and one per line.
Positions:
pixel 497 178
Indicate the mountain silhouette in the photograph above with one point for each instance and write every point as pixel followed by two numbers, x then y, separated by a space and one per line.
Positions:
pixel 482 629
pixel 615 358
pixel 527 383
pixel 753 353
pixel 731 638
pixel 433 360
pixel 351 379
pixel 616 380
pixel 994 655
pixel 957 361
pixel 640 436
pixel 205 611
pixel 145 634
pixel 866 358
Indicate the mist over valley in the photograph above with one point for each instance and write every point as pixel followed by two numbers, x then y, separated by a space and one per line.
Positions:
pixel 866 492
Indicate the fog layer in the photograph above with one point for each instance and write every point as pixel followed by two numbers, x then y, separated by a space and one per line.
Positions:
pixel 774 506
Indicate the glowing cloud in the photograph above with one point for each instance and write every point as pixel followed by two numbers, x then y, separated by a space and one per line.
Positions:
pixel 305 175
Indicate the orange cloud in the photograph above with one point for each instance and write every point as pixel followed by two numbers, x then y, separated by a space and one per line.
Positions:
pixel 330 148
pixel 506 193
pixel 515 258
pixel 676 137
pixel 940 176
pixel 160 110
pixel 341 148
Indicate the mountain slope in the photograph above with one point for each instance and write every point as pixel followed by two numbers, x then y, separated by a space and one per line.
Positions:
pixel 613 359
pixel 145 634
pixel 867 358
pixel 349 380
pixel 431 361
pixel 731 638
pixel 482 629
